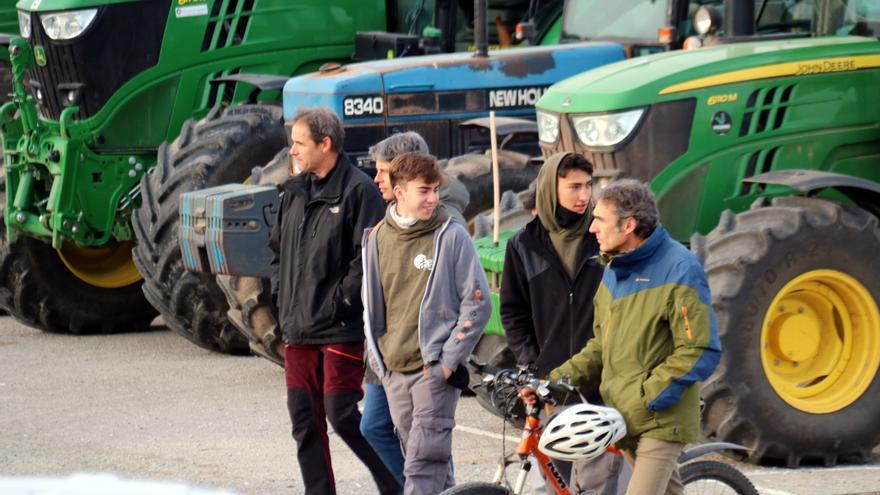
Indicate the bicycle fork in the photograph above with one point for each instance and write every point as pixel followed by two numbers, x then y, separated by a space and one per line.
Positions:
pixel 528 446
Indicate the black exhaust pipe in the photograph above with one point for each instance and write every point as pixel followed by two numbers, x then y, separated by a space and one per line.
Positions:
pixel 739 18
pixel 481 28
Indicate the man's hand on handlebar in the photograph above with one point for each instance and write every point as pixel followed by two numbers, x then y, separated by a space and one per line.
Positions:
pixel 529 396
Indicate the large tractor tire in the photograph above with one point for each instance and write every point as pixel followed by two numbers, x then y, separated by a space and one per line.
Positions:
pixel 220 149
pixel 475 171
pixel 71 290
pixel 796 289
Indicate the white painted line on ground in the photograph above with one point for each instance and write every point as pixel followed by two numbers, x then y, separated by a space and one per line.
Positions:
pixel 771 491
pixel 496 436
pixel 801 471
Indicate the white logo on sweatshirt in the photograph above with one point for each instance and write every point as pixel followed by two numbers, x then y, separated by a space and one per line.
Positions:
pixel 422 262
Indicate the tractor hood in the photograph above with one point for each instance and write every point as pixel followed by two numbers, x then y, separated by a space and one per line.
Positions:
pixel 456 85
pixel 646 80
pixel 53 5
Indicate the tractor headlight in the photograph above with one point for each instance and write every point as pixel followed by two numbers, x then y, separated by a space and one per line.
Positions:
pixel 607 129
pixel 24 24
pixel 67 25
pixel 548 127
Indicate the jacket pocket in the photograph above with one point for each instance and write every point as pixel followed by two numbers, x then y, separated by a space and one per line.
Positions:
pixel 431 440
pixel 629 401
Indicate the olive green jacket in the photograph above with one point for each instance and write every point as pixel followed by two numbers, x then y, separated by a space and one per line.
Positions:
pixel 655 338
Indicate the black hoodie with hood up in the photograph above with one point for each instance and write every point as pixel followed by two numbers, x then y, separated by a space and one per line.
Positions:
pixel 547 314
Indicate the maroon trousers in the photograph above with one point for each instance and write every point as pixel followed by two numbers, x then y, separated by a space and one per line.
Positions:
pixel 324 384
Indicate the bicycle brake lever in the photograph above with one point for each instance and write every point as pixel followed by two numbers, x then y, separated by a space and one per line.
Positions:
pixel 542 391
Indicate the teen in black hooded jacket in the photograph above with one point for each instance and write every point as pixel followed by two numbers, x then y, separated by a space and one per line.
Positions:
pixel 547 308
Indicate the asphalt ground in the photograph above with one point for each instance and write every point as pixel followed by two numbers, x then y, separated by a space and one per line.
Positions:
pixel 152 406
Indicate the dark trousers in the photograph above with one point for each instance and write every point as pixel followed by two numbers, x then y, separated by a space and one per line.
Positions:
pixel 324 384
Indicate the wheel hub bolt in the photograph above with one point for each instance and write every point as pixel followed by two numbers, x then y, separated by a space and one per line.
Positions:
pixel 132 173
pixel 20 217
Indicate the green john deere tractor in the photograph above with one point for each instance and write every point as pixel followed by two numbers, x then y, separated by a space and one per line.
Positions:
pixel 765 154
pixel 99 85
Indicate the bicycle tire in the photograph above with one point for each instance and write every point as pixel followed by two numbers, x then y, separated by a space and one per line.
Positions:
pixel 719 472
pixel 477 488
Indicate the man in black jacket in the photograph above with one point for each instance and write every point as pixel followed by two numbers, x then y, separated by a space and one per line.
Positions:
pixel 317 235
pixel 548 285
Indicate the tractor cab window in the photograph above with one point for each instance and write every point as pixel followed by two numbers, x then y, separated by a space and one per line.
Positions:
pixel 413 16
pixel 852 17
pixel 619 20
pixel 771 16
pixel 785 16
pixel 453 20
pixel 503 16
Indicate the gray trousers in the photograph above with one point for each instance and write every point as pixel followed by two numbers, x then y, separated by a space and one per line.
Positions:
pixel 600 476
pixel 422 409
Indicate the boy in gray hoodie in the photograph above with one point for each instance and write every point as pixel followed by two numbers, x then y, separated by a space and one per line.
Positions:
pixel 426 302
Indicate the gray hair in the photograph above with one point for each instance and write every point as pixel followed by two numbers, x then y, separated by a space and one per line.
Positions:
pixel 397 144
pixel 632 198
pixel 322 122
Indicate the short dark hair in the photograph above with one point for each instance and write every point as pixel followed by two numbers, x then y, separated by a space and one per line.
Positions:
pixel 573 161
pixel 632 198
pixel 322 123
pixel 411 166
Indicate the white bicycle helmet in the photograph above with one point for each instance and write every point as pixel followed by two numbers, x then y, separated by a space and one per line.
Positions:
pixel 582 432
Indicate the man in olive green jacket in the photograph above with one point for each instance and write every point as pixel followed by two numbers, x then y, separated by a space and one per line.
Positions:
pixel 655 335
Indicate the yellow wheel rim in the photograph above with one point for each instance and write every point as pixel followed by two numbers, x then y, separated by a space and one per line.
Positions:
pixel 820 343
pixel 109 267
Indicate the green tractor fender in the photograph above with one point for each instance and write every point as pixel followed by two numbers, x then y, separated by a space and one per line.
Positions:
pixel 864 193
pixel 260 82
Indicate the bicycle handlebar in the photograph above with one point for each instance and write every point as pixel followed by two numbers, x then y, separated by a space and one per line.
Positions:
pixel 521 378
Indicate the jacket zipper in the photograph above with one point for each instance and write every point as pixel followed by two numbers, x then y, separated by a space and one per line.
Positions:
pixel 687 324
pixel 437 237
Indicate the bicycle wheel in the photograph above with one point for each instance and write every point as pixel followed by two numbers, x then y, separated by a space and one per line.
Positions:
pixel 714 478
pixel 477 488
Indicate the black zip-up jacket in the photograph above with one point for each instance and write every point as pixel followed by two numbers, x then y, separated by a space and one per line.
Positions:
pixel 547 316
pixel 318 262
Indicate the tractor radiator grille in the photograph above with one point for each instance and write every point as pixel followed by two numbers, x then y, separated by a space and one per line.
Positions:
pixel 228 24
pixel 123 41
pixel 765 109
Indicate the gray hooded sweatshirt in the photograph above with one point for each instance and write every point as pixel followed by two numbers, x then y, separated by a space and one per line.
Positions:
pixel 453 310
